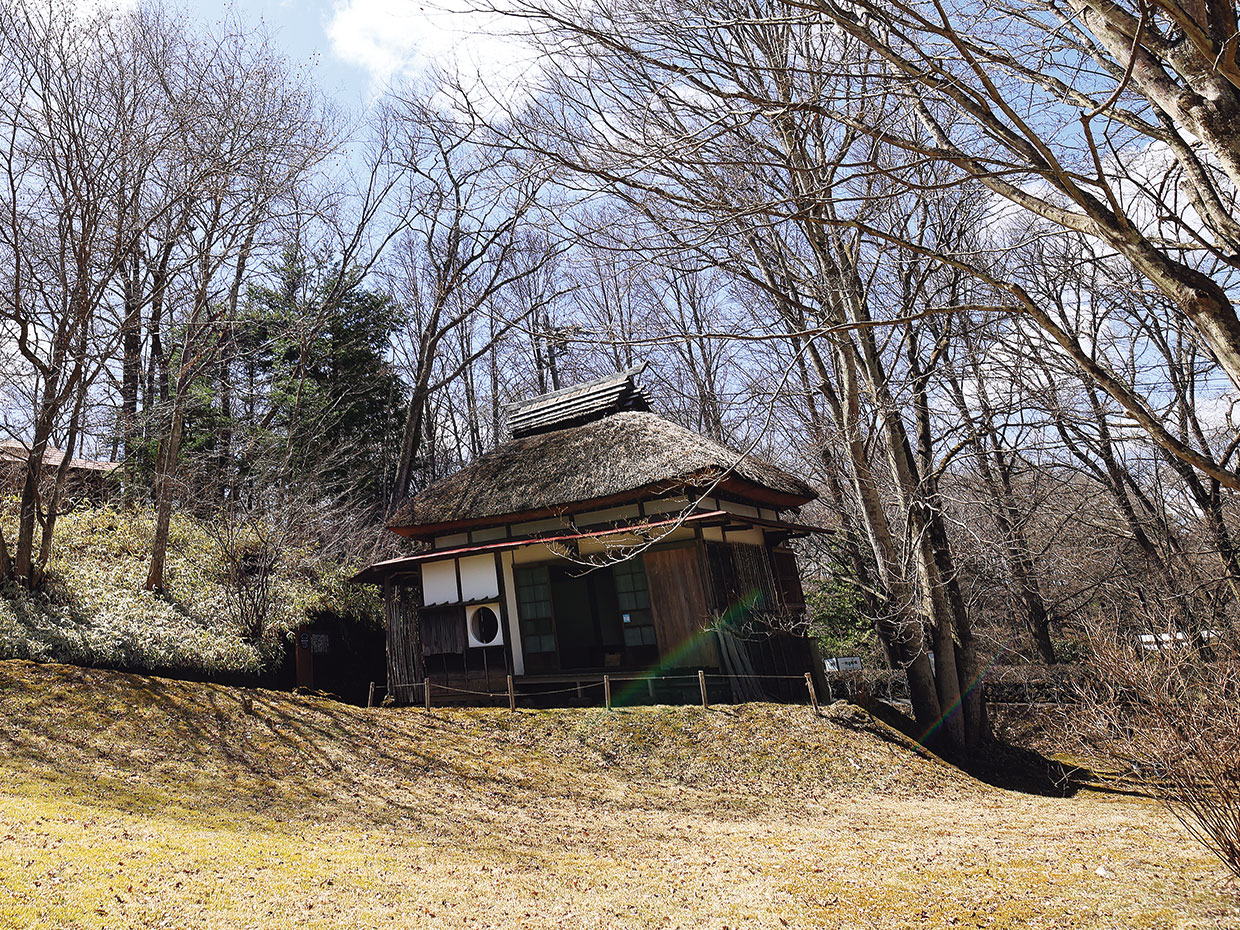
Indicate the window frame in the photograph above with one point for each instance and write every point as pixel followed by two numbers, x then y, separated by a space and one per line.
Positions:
pixel 525 620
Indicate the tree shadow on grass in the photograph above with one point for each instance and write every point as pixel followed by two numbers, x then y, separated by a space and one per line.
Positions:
pixel 1000 764
pixel 146 745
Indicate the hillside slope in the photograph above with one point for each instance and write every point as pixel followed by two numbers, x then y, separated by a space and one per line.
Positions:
pixel 95 609
pixel 129 801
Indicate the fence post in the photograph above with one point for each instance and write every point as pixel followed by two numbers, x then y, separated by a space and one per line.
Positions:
pixel 702 688
pixel 370 700
pixel 426 692
pixel 813 696
pixel 607 691
pixel 512 695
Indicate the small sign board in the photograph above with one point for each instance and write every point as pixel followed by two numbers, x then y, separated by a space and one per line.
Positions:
pixel 842 664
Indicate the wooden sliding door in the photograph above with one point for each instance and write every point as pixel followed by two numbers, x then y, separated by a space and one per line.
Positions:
pixel 681 611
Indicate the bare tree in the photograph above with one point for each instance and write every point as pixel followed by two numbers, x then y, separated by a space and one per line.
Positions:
pixel 85 111
pixel 1114 120
pixel 250 134
pixel 466 258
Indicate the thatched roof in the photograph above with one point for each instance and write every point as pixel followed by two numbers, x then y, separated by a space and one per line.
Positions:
pixel 580 403
pixel 622 457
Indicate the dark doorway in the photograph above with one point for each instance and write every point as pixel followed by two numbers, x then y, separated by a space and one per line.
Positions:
pixel 587 618
pixel 575 622
pixel 337 655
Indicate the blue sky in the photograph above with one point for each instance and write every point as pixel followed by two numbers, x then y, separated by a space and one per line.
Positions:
pixel 360 46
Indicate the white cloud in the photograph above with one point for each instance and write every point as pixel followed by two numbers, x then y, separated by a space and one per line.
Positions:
pixel 405 39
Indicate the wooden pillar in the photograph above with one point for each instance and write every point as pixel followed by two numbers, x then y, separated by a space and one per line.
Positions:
pixel 702 688
pixel 813 695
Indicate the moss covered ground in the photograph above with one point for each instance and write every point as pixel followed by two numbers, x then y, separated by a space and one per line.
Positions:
pixel 130 801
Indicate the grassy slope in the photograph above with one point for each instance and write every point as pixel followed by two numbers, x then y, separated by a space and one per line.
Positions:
pixel 97 612
pixel 130 802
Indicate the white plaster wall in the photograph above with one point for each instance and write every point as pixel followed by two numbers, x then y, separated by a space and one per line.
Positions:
pixel 439 582
pixel 451 542
pixel 537 526
pixel 743 509
pixel 591 517
pixel 478 580
pixel 490 534
pixel 666 505
pixel 533 553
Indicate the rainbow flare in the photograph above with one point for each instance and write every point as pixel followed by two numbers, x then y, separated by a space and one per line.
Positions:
pixel 747 604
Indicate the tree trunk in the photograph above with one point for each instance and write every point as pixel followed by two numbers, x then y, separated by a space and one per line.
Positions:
pixel 131 365
pixel 28 510
pixel 901 628
pixel 6 560
pixel 411 443
pixel 165 474
pixel 51 506
pixel 934 595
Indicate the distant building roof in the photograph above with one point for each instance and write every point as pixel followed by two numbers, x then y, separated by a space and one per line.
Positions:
pixel 16 452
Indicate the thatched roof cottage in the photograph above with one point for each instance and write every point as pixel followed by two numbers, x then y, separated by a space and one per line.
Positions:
pixel 601 539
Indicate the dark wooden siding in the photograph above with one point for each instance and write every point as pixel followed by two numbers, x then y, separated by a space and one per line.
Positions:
pixel 788 579
pixel 740 574
pixel 443 630
pixel 758 591
pixel 681 609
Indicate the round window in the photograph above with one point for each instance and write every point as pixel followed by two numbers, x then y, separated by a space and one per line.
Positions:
pixel 484 625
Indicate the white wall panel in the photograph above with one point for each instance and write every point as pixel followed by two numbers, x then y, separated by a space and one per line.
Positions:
pixel 478 579
pixel 439 582
pixel 514 630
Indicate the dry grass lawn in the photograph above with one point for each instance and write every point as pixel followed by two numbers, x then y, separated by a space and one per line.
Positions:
pixel 140 802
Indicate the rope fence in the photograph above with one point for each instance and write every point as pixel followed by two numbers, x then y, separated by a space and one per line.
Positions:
pixel 1016 685
pixel 606 682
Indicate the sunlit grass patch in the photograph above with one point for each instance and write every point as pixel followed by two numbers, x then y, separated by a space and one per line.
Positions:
pixel 128 801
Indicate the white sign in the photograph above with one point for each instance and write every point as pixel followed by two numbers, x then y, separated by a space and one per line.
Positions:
pixel 843 664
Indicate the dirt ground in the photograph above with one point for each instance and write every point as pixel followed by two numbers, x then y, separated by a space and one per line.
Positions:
pixel 140 802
